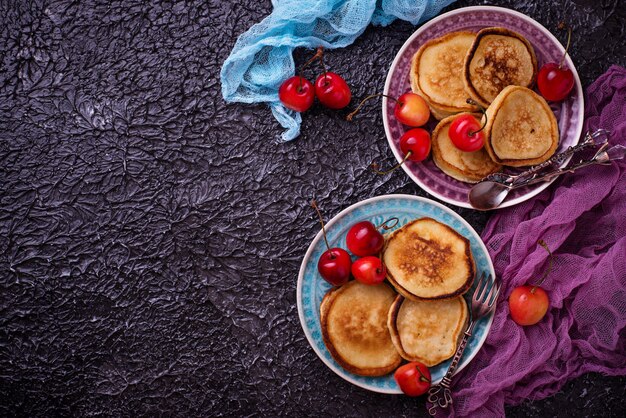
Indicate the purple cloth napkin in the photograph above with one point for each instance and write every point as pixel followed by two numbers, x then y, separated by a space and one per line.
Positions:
pixel 582 218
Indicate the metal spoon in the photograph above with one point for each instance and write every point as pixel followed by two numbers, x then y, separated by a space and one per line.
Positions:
pixel 488 195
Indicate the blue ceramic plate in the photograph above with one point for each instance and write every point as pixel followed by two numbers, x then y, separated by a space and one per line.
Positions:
pixel 311 286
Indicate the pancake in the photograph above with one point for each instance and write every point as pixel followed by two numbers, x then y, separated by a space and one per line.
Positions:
pixel 437 73
pixel 354 328
pixel 426 259
pixel 469 167
pixel 427 331
pixel 521 128
pixel 498 58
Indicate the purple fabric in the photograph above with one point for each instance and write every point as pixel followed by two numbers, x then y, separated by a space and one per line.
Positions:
pixel 582 218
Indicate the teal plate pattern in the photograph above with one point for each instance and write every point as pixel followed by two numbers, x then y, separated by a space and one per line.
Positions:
pixel 312 288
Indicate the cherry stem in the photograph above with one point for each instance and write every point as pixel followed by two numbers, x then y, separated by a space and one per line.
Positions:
pixel 545 274
pixel 569 39
pixel 482 110
pixel 318 55
pixel 388 227
pixel 395 167
pixel 422 377
pixel 314 204
pixel 371 96
pixel 324 69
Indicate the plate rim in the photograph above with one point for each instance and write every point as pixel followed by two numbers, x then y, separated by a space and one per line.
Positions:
pixel 318 237
pixel 579 90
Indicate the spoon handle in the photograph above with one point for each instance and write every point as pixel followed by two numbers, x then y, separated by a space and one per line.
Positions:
pixel 560 158
pixel 601 157
pixel 525 177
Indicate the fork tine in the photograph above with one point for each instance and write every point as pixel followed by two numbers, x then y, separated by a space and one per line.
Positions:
pixel 495 297
pixel 490 294
pixel 479 293
pixel 493 294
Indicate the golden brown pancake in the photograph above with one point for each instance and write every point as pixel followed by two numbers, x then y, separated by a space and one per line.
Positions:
pixel 354 328
pixel 470 167
pixel 426 259
pixel 521 128
pixel 427 331
pixel 437 73
pixel 498 58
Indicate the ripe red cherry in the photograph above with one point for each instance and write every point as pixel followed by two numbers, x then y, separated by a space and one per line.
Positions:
pixel 528 304
pixel 415 144
pixel 465 133
pixel 364 239
pixel 332 91
pixel 297 93
pixel 334 266
pixel 413 378
pixel 334 263
pixel 369 270
pixel 411 110
pixel 555 82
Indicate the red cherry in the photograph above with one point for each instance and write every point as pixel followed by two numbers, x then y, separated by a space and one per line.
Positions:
pixel 369 270
pixel 465 133
pixel 332 91
pixel 413 378
pixel 364 239
pixel 334 266
pixel 297 93
pixel 415 144
pixel 555 82
pixel 334 263
pixel 412 110
pixel 528 304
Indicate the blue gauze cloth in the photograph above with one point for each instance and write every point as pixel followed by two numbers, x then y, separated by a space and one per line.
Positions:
pixel 262 57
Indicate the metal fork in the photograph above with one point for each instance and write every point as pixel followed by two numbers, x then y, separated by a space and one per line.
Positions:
pixel 483 302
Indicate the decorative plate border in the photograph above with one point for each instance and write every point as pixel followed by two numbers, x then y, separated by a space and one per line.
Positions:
pixel 570 112
pixel 311 287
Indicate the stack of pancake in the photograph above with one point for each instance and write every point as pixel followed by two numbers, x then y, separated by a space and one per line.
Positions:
pixel 419 314
pixel 495 68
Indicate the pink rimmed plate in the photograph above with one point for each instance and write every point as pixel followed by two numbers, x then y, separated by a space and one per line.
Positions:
pixel 569 113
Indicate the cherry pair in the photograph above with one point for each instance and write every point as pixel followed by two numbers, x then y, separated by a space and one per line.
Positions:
pixel 364 240
pixel 297 93
pixel 412 110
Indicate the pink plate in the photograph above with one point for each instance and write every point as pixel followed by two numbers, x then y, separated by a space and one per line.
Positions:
pixel 569 113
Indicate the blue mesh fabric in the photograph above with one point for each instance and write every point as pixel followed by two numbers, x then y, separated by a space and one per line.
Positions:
pixel 262 57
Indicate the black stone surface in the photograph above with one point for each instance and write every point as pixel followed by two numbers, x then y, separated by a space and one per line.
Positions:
pixel 151 234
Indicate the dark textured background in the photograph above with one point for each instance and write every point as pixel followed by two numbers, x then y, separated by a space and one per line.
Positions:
pixel 151 234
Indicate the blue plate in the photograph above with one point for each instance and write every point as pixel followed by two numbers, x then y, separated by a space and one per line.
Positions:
pixel 311 286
